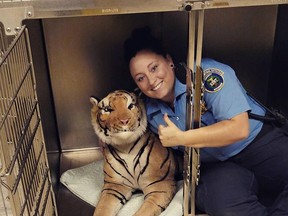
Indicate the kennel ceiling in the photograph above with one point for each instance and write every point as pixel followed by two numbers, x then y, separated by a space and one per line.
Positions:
pixel 13 12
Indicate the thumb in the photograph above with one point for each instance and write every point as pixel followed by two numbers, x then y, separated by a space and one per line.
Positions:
pixel 167 120
pixel 160 129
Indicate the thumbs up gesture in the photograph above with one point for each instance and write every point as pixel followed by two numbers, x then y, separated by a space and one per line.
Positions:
pixel 169 135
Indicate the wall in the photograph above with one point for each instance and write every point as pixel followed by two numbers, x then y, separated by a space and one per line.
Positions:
pixel 85 57
pixel 278 77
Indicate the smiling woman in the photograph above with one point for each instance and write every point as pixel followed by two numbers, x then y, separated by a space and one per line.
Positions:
pixel 154 75
pixel 230 141
pixel 151 67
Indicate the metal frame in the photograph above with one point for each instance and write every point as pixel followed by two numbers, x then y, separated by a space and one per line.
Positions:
pixel 193 109
pixel 13 12
pixel 24 167
pixel 24 145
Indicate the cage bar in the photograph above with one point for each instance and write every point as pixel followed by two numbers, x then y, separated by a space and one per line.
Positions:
pixel 24 167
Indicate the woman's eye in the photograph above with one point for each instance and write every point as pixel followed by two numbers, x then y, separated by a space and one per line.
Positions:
pixel 154 68
pixel 139 79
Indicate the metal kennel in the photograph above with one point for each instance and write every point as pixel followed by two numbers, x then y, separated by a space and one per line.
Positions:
pixel 48 74
pixel 24 166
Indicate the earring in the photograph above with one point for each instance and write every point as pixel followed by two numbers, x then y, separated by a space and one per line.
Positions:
pixel 172 65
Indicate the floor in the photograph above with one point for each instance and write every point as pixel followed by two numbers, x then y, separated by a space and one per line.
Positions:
pixel 67 203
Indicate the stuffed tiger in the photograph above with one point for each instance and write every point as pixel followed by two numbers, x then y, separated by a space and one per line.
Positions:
pixel 134 158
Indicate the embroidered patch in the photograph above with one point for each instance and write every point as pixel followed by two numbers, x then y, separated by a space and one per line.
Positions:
pixel 213 79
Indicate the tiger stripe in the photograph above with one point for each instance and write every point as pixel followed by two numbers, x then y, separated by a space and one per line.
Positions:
pixel 134 158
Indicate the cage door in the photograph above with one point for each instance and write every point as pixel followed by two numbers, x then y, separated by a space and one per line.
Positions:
pixel 24 170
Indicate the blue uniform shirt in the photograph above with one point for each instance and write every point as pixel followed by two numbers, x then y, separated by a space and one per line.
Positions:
pixel 224 97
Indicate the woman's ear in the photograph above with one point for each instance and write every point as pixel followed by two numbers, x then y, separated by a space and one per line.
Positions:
pixel 170 60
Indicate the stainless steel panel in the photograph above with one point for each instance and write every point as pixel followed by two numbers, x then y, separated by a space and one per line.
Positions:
pixel 64 8
pixel 244 39
pixel 85 57
pixel 44 91
pixel 12 13
pixel 278 92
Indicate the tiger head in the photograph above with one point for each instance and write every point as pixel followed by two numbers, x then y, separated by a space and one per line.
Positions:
pixel 119 118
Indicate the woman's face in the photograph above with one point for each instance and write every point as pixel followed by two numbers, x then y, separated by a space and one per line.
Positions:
pixel 154 75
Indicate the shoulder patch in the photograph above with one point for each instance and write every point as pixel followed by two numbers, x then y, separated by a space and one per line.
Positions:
pixel 213 79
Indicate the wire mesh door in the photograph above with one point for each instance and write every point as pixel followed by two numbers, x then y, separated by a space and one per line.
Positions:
pixel 24 170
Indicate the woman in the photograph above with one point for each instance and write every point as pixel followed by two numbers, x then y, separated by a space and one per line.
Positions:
pixel 242 159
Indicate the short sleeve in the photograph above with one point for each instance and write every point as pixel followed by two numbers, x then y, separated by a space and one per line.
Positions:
pixel 224 94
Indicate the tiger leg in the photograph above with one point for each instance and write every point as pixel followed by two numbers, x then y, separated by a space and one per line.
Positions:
pixel 157 198
pixel 113 197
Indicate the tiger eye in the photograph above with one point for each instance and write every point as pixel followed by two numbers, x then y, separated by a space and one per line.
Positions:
pixel 131 106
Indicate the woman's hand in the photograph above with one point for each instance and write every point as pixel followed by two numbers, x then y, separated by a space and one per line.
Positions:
pixel 169 135
pixel 220 134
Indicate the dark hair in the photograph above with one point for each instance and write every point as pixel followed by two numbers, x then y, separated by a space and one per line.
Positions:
pixel 142 39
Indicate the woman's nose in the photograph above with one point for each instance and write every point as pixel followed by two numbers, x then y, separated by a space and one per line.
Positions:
pixel 151 79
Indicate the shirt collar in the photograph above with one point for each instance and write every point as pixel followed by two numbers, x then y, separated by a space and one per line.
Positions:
pixel 156 105
pixel 179 88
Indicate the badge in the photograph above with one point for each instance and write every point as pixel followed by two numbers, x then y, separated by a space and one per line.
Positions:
pixel 213 79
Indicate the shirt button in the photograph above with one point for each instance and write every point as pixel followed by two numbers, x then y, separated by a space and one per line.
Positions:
pixel 177 118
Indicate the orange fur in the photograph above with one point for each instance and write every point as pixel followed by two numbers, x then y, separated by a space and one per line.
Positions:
pixel 134 158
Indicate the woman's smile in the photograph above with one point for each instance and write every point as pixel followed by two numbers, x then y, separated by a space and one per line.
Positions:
pixel 157 86
pixel 154 75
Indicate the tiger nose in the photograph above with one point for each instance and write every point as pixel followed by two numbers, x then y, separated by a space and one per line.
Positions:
pixel 124 121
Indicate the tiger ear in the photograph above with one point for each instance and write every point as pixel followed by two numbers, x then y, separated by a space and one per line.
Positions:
pixel 94 100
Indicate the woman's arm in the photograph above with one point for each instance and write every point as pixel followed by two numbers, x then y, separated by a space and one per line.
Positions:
pixel 219 134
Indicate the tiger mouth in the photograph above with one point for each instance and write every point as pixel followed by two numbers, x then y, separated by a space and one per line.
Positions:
pixel 120 130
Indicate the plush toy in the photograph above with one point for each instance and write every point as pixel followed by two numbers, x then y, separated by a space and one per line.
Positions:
pixel 134 158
